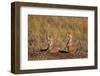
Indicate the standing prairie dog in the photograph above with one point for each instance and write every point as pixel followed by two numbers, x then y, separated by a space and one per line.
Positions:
pixel 73 46
pixel 53 48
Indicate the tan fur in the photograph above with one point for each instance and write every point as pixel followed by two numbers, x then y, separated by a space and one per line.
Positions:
pixel 73 45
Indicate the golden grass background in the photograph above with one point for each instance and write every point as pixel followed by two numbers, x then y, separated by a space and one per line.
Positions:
pixel 56 26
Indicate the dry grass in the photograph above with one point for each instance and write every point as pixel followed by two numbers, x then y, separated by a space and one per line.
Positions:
pixel 39 27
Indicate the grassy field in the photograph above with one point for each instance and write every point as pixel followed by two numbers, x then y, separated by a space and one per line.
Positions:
pixel 40 27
